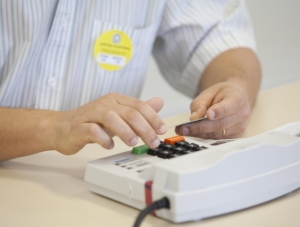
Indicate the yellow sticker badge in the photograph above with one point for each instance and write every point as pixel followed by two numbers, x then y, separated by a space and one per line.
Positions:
pixel 113 50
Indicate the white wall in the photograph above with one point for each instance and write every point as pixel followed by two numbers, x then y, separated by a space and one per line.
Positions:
pixel 277 28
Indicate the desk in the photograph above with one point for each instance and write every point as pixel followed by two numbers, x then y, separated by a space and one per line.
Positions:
pixel 48 189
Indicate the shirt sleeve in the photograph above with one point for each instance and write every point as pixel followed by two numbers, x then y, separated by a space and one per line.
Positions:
pixel 192 33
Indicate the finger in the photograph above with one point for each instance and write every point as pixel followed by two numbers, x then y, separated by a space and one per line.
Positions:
pixel 91 132
pixel 156 104
pixel 115 124
pixel 224 108
pixel 140 126
pixel 202 102
pixel 108 132
pixel 146 111
pixel 208 126
pixel 231 132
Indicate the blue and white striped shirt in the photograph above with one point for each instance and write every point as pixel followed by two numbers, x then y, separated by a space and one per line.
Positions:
pixel 46 47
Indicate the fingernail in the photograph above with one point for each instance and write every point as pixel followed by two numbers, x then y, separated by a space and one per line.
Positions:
pixel 185 131
pixel 211 114
pixel 133 141
pixel 110 146
pixel 155 143
pixel 162 129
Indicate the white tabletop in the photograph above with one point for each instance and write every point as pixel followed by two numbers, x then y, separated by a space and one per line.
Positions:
pixel 48 189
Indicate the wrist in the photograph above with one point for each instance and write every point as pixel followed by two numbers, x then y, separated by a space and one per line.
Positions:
pixel 50 125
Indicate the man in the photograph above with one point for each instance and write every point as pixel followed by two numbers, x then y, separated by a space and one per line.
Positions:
pixel 69 70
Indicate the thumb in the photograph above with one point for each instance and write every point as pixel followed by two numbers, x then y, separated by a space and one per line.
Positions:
pixel 202 102
pixel 156 104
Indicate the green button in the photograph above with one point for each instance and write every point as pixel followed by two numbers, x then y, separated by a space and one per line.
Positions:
pixel 140 149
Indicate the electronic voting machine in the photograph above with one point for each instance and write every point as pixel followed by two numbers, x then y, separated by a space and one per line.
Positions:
pixel 202 178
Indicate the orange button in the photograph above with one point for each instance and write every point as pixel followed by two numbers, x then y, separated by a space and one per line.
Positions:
pixel 174 139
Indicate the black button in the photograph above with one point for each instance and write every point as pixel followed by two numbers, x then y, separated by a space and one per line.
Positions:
pixel 181 143
pixel 203 147
pixel 162 143
pixel 174 155
pixel 192 146
pixel 177 150
pixel 196 149
pixel 167 146
pixel 185 152
pixel 154 151
pixel 164 154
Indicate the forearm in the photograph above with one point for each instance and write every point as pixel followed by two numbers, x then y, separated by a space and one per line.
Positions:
pixel 239 66
pixel 25 132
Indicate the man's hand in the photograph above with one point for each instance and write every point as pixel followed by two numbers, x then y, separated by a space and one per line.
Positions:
pixel 29 131
pixel 227 107
pixel 112 114
pixel 229 87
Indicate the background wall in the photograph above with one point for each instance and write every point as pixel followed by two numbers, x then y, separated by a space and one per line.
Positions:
pixel 277 28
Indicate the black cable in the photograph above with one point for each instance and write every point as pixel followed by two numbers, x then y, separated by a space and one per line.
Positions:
pixel 162 203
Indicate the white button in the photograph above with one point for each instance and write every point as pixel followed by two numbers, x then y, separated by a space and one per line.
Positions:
pixel 52 82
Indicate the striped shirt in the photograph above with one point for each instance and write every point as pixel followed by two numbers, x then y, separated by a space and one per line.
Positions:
pixel 46 47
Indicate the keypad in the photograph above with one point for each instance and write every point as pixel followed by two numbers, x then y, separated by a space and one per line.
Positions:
pixel 174 147
pixel 167 151
pixel 170 148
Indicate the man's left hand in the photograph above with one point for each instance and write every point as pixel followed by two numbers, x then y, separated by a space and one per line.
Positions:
pixel 227 107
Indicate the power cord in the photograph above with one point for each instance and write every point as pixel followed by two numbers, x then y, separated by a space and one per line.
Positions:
pixel 162 203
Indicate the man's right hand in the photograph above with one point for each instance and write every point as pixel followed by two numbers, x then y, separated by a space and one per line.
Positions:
pixel 98 121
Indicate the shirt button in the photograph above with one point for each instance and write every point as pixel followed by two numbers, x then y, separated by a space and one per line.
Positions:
pixel 52 82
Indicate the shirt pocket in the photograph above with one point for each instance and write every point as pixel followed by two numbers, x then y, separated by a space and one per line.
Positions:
pixel 128 79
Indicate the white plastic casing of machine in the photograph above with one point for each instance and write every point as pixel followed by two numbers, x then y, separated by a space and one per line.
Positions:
pixel 218 180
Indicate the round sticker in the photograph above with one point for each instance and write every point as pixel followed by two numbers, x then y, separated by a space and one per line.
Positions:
pixel 113 50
